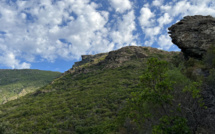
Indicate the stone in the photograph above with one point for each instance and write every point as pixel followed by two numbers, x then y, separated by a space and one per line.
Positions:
pixel 193 35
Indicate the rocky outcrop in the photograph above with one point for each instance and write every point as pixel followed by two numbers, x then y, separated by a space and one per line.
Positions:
pixel 88 59
pixel 117 58
pixel 193 35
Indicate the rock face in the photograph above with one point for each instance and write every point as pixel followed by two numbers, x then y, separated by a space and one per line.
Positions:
pixel 193 35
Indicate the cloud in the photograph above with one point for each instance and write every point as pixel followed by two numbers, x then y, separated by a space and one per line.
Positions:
pixel 165 19
pixel 157 3
pixel 9 60
pixel 152 31
pixel 147 22
pixel 121 5
pixel 123 35
pixel 192 7
pixel 35 30
pixel 146 18
pixel 164 41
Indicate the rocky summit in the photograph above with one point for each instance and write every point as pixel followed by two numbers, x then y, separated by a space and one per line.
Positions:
pixel 193 35
pixel 117 58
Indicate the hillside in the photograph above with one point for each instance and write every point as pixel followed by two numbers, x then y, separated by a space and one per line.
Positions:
pixel 17 83
pixel 87 98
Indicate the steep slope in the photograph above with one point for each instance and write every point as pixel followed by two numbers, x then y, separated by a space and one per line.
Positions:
pixel 86 98
pixel 17 83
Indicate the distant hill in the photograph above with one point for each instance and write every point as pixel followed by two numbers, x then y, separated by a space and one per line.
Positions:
pixel 17 83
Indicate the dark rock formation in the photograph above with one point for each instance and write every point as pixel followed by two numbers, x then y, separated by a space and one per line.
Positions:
pixel 193 35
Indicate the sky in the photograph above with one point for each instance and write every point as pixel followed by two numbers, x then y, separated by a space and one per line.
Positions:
pixel 53 34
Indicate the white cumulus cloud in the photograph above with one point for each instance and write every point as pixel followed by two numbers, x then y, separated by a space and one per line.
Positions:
pixel 10 60
pixel 45 30
pixel 192 7
pixel 147 17
pixel 157 2
pixel 121 5
pixel 164 41
pixel 165 19
pixel 124 36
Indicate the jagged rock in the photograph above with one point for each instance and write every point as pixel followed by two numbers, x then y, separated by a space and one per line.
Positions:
pixel 193 35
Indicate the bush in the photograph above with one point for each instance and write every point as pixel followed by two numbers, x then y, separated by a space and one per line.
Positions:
pixel 166 101
pixel 171 125
pixel 5 129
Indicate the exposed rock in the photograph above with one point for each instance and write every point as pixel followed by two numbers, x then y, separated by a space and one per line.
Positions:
pixel 88 58
pixel 193 35
pixel 129 53
pixel 116 58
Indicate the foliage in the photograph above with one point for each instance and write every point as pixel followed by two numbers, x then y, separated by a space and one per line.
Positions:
pixel 171 125
pixel 163 99
pixel 178 60
pixel 5 129
pixel 76 103
pixel 157 87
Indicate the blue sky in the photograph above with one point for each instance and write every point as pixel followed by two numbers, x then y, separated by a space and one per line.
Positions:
pixel 53 34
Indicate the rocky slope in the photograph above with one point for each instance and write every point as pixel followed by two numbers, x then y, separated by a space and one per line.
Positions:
pixel 194 34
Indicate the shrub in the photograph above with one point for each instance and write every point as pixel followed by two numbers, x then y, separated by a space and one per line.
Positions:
pixel 5 129
pixel 166 101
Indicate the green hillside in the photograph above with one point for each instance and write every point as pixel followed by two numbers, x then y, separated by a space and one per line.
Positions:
pixel 86 99
pixel 103 94
pixel 16 83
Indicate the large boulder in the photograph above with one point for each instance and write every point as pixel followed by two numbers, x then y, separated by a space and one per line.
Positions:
pixel 193 35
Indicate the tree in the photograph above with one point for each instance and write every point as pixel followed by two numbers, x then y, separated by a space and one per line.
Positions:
pixel 163 105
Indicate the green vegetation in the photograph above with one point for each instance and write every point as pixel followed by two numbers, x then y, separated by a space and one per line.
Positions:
pixel 130 92
pixel 16 83
pixel 87 103
pixel 162 105
pixel 5 129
